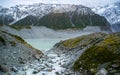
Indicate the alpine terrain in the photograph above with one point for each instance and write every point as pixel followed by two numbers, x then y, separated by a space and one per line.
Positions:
pixel 60 39
pixel 55 16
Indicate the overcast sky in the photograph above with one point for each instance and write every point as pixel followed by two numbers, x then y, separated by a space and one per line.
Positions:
pixel 9 3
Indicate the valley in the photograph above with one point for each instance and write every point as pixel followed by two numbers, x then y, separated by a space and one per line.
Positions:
pixel 44 39
pixel 60 39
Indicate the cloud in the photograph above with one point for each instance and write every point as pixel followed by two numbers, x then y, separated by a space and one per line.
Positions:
pixel 8 3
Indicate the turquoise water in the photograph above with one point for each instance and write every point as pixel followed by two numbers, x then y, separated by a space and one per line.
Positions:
pixel 43 44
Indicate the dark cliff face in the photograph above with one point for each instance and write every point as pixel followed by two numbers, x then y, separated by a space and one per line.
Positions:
pixel 64 20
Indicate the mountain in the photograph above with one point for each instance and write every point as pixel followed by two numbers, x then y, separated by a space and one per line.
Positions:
pixel 19 12
pixel 15 52
pixel 72 17
pixel 111 13
pixel 55 16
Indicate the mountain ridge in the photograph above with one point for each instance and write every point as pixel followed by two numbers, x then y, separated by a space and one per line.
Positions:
pixel 40 9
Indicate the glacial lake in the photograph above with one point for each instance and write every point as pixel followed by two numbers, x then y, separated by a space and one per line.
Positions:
pixel 43 44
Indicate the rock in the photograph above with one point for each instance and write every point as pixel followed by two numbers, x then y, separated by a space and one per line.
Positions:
pixel 50 70
pixel 65 65
pixel 46 65
pixel 14 52
pixel 58 55
pixel 117 74
pixel 59 63
pixel 36 71
pixel 42 67
pixel 50 61
pixel 21 60
pixel 53 68
pixel 113 71
pixel 25 68
pixel 4 69
pixel 115 65
pixel 64 61
pixel 14 69
pixel 37 56
pixel 20 73
pixel 43 73
pixel 110 69
pixel 102 71
pixel 68 72
pixel 57 73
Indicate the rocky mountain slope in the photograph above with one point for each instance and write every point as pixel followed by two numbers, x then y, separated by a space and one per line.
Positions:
pixel 96 53
pixel 111 13
pixel 55 16
pixel 15 53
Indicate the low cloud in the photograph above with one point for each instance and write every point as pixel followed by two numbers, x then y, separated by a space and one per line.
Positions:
pixel 8 3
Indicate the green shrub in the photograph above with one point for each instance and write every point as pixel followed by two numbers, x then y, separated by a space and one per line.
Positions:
pixel 106 51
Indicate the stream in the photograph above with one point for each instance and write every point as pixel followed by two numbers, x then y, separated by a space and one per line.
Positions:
pixel 52 64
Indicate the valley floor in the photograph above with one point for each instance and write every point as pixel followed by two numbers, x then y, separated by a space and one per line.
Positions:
pixel 52 64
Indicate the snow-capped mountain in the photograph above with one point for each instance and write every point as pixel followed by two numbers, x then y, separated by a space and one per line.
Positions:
pixel 111 13
pixel 21 11
pixel 56 16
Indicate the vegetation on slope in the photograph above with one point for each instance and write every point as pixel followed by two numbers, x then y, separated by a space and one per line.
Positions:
pixel 106 52
pixel 64 21
pixel 101 51
pixel 83 41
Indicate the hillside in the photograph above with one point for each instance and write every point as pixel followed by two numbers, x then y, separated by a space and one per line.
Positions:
pixel 15 53
pixel 96 53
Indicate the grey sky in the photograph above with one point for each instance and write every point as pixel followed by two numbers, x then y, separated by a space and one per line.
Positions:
pixel 8 3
